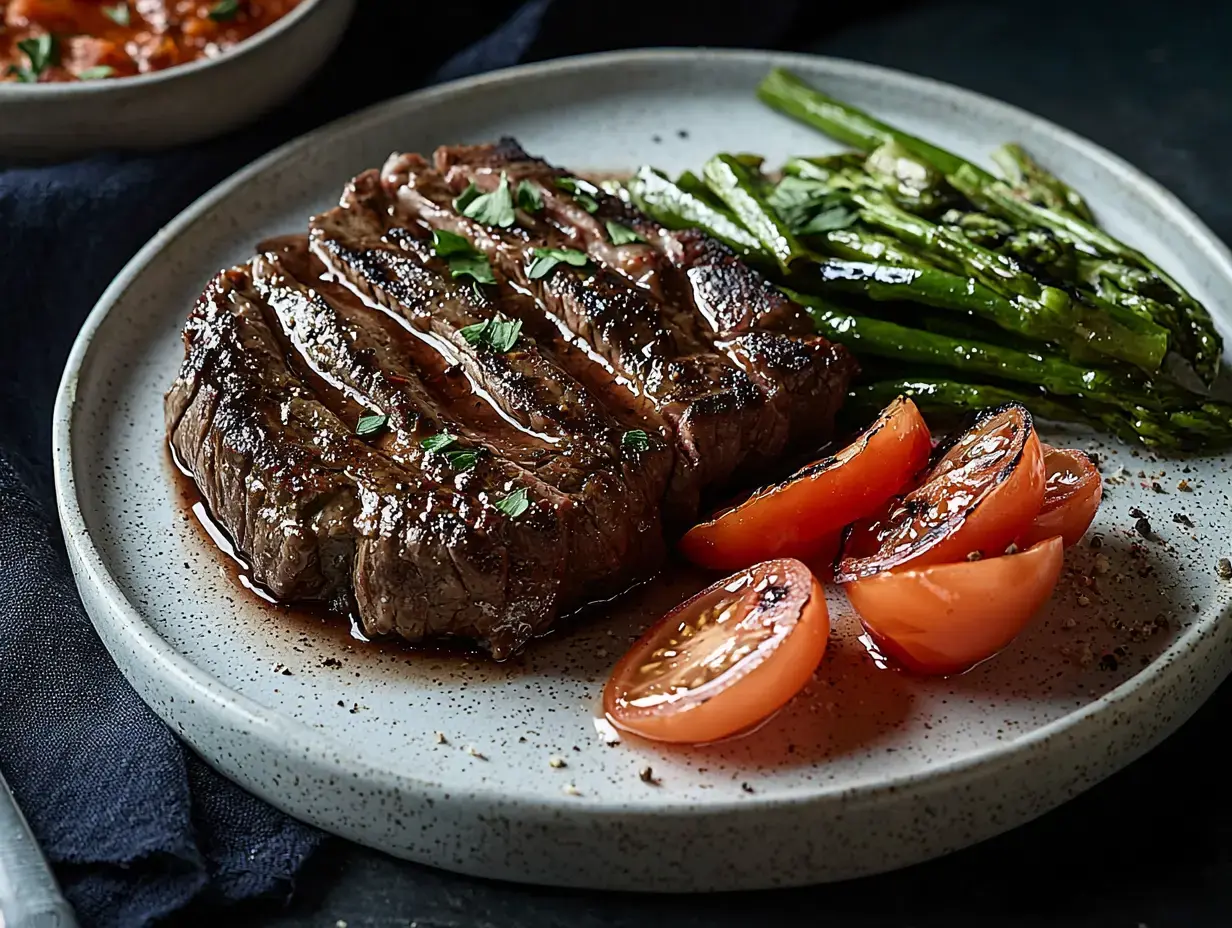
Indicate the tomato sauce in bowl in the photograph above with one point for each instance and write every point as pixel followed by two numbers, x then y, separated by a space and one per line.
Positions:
pixel 50 41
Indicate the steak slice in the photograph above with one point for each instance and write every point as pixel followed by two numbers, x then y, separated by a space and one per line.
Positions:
pixel 323 515
pixel 716 295
pixel 368 354
pixel 719 416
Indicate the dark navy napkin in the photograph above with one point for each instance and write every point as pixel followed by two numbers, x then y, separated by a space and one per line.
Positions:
pixel 135 825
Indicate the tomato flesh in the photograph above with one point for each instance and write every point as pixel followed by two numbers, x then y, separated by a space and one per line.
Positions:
pixel 724 660
pixel 946 618
pixel 1072 494
pixel 985 489
pixel 797 517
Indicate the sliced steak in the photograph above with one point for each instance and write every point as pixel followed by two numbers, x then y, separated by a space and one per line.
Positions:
pixel 719 416
pixel 613 492
pixel 320 513
pixel 719 298
pixel 611 540
pixel 499 482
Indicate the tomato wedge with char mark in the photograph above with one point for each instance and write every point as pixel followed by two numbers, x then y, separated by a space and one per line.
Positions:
pixel 985 488
pixel 800 516
pixel 947 618
pixel 1073 490
pixel 724 660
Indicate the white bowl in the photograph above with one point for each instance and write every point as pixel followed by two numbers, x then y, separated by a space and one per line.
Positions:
pixel 182 104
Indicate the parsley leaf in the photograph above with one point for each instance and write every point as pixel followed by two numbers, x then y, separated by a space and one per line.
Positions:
pixel 118 14
pixel 462 460
pixel 635 440
pixel 621 235
pixel 498 333
pixel 492 209
pixel 547 258
pixel 828 220
pixel 809 207
pixel 437 442
pixel 514 504
pixel 473 266
pixel 446 243
pixel 95 73
pixel 42 51
pixel 529 198
pixel 583 192
pixel 465 198
pixel 224 10
pixel 464 259
pixel 370 425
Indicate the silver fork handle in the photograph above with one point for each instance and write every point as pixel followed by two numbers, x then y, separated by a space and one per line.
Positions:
pixel 29 896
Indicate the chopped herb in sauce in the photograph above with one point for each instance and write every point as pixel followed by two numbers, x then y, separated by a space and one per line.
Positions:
pixel 529 198
pixel 635 440
pixel 42 52
pixel 514 504
pixel 96 73
pixel 492 209
pixel 547 258
pixel 370 425
pixel 621 235
pixel 118 14
pixel 224 10
pixel 498 333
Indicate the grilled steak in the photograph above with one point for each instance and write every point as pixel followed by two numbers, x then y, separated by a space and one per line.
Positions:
pixel 493 486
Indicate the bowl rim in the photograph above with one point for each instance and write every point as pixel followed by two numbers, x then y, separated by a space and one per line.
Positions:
pixel 14 90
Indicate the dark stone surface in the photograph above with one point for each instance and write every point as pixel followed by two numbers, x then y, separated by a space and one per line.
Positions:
pixel 1153 845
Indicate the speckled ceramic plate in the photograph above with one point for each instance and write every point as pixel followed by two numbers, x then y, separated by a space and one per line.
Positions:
pixel 448 762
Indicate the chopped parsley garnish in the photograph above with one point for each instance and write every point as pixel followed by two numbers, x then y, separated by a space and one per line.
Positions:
pixel 224 10
pixel 446 243
pixel 462 460
pixel 621 235
pixel 98 72
pixel 498 333
pixel 635 440
pixel 529 198
pixel 459 459
pixel 370 425
pixel 475 266
pixel 514 504
pixel 829 220
pixel 547 258
pixel 583 192
pixel 809 207
pixel 43 52
pixel 466 197
pixel 463 258
pixel 492 209
pixel 437 442
pixel 118 14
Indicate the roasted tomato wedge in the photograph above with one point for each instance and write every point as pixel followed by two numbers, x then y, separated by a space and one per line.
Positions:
pixel 725 659
pixel 798 517
pixel 947 618
pixel 982 493
pixel 1072 493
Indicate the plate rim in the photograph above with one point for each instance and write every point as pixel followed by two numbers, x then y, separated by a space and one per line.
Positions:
pixel 284 733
